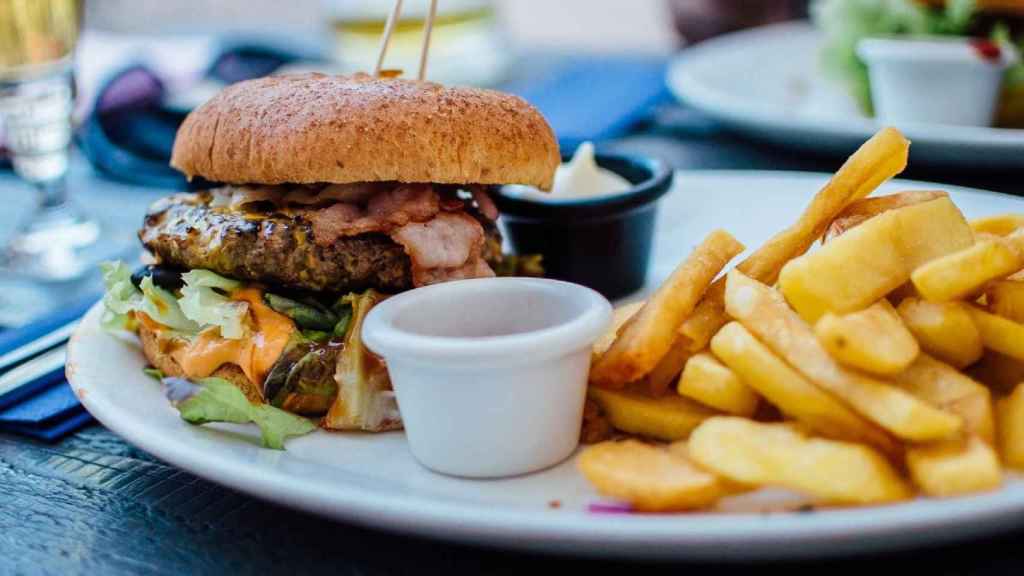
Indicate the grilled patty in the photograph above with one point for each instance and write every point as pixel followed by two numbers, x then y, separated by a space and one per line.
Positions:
pixel 276 248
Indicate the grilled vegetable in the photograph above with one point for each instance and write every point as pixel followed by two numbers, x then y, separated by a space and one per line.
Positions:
pixel 302 380
pixel 308 315
pixel 364 400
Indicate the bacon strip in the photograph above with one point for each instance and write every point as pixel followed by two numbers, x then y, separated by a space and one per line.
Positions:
pixel 484 202
pixel 447 247
pixel 385 212
pixel 353 193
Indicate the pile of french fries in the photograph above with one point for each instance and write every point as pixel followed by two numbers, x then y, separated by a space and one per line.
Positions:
pixel 885 364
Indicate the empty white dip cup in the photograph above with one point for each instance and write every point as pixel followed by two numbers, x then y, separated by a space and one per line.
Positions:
pixel 490 374
pixel 939 81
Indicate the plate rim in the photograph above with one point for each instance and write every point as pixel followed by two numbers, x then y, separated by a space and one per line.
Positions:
pixel 685 83
pixel 722 537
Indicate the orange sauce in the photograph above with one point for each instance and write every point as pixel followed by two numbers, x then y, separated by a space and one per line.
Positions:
pixel 254 354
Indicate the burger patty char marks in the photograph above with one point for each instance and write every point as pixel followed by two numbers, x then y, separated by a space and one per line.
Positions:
pixel 277 247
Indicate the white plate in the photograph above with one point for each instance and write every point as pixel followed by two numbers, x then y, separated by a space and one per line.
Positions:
pixel 373 480
pixel 766 82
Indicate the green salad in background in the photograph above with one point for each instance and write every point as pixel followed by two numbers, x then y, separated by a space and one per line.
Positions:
pixel 846 22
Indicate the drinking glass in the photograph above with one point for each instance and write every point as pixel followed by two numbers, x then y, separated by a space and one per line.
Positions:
pixel 37 40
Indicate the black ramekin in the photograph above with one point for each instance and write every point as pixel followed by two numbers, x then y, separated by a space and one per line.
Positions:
pixel 603 242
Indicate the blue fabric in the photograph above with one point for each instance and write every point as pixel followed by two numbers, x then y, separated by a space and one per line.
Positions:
pixel 51 432
pixel 44 408
pixel 48 406
pixel 129 134
pixel 29 389
pixel 597 98
pixel 13 338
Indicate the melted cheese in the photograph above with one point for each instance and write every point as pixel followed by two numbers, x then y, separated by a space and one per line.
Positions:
pixel 145 320
pixel 254 354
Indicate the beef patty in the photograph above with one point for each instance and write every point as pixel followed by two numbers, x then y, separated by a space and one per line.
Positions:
pixel 262 244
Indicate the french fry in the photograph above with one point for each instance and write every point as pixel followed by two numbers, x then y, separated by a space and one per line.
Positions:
pixel 1010 411
pixel 877 160
pixel 620 316
pixel 997 333
pixel 873 339
pixel 648 336
pixel 711 383
pixel 757 454
pixel 998 225
pixel 596 427
pixel 1006 298
pixel 999 372
pixel 651 479
pixel 793 394
pixel 905 290
pixel 669 418
pixel 964 273
pixel 863 265
pixel 943 329
pixel 943 386
pixel 765 314
pixel 954 467
pixel 866 208
pixel 666 373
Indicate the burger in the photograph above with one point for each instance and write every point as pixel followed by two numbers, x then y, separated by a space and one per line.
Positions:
pixel 846 22
pixel 331 193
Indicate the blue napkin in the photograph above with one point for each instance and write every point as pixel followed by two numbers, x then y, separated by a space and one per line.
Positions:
pixel 597 98
pixel 45 408
pixel 51 432
pixel 54 402
pixel 15 337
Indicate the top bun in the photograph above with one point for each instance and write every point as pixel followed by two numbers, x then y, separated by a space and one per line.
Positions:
pixel 309 128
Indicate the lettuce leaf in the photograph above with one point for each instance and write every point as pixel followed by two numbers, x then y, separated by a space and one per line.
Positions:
pixel 203 303
pixel 122 297
pixel 276 425
pixel 218 400
pixel 845 22
pixel 163 307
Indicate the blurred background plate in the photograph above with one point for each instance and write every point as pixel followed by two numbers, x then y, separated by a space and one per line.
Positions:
pixel 372 479
pixel 767 83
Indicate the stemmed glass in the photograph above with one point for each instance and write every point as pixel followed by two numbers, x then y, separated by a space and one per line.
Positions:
pixel 37 39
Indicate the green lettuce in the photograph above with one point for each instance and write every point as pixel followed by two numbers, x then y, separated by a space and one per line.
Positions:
pixel 1015 75
pixel 845 22
pixel 203 302
pixel 218 400
pixel 123 297
pixel 162 306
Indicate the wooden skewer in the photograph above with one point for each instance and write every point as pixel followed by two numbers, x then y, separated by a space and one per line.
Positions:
pixel 428 27
pixel 393 18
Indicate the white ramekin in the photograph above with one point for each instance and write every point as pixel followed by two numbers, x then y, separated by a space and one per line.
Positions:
pixel 940 81
pixel 490 374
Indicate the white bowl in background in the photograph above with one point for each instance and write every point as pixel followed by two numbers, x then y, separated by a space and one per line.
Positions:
pixel 953 81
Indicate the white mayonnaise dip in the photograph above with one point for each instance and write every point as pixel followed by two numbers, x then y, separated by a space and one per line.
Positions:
pixel 578 178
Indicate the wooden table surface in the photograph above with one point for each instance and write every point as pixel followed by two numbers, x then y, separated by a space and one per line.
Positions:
pixel 93 504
